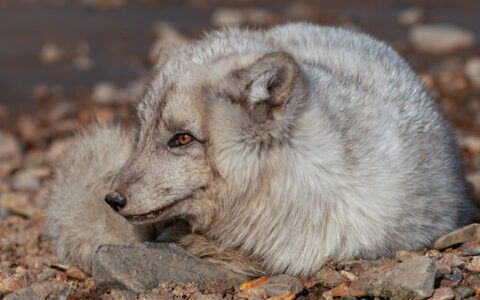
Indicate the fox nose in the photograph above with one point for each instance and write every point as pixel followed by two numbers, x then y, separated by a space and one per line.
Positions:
pixel 115 200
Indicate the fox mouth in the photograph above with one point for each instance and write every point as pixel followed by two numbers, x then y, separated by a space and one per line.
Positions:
pixel 152 216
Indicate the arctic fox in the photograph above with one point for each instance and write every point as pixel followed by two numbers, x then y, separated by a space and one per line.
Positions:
pixel 282 149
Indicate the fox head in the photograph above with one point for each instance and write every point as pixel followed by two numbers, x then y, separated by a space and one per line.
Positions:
pixel 203 131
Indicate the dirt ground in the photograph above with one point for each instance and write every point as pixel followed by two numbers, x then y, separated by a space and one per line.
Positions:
pixel 64 64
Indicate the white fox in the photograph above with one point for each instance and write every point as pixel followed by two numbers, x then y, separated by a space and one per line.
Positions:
pixel 282 149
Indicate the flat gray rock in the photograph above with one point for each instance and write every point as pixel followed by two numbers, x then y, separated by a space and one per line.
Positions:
pixel 280 284
pixel 459 236
pixel 412 279
pixel 141 268
pixel 47 290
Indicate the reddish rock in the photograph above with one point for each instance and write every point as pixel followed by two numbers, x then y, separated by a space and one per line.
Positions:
pixel 443 293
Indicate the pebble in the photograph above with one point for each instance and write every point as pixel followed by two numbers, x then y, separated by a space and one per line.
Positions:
pixel 350 276
pixel 122 295
pixel 470 248
pixel 453 260
pixel 341 290
pixel 470 142
pixel 468 233
pixel 410 16
pixel 17 281
pixel 10 146
pixel 76 273
pixel 472 71
pixel 464 291
pixel 456 275
pixel 443 268
pixel 105 93
pixel 280 284
pixel 474 265
pixel 141 268
pixel 328 278
pixel 440 38
pixel 51 53
pixel 17 203
pixel 443 293
pixel 29 178
pixel 43 290
pixel 46 274
pixel 414 278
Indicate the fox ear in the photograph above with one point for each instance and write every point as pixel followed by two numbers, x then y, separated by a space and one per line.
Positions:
pixel 270 82
pixel 164 54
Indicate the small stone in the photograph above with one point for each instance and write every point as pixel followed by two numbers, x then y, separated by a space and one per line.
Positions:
pixel 464 291
pixel 447 283
pixel 410 16
pixel 17 203
pixel 470 248
pixel 440 38
pixel 17 281
pixel 453 260
pixel 444 293
pixel 42 290
pixel 280 284
pixel 433 253
pixel 472 70
pixel 341 290
pixel 468 233
pixel 470 142
pixel 456 276
pixel 122 295
pixel 46 274
pixel 105 93
pixel 472 278
pixel 200 296
pixel 29 178
pixel 76 273
pixel 253 288
pixel 51 53
pixel 10 146
pixel 402 255
pixel 328 278
pixel 413 278
pixel 443 268
pixel 140 268
pixel 474 265
pixel 476 288
pixel 350 276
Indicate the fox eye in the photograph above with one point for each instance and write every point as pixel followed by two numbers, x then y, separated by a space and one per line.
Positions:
pixel 180 139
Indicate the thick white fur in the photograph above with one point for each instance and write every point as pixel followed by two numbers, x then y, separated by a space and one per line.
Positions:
pixel 367 166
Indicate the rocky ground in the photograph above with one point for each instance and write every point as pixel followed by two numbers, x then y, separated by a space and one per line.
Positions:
pixel 447 58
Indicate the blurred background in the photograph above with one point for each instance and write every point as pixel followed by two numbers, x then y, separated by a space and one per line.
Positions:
pixel 64 63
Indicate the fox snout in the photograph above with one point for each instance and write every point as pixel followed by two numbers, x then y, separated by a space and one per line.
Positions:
pixel 116 200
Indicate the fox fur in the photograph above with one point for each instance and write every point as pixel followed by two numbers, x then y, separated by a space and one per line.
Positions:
pixel 306 143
